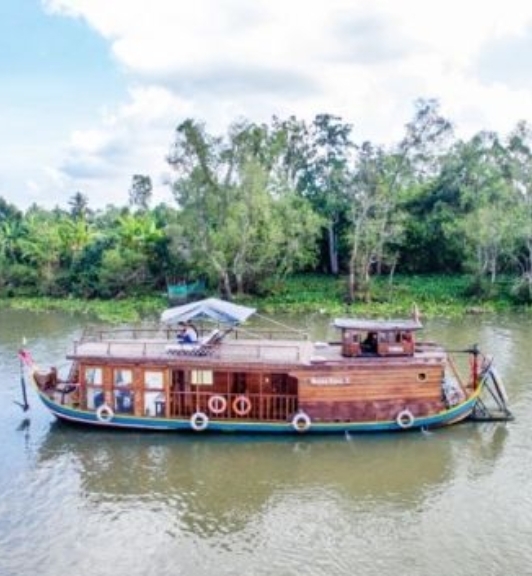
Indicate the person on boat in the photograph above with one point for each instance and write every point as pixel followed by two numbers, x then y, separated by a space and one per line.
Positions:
pixel 181 332
pixel 187 333
pixel 369 344
pixel 191 332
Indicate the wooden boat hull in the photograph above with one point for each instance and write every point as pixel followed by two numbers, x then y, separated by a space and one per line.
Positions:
pixel 69 414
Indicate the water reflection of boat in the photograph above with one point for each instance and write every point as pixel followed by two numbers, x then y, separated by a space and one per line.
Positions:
pixel 220 486
pixel 375 378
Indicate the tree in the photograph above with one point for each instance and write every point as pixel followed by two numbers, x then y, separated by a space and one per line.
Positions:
pixel 318 158
pixel 371 215
pixel 140 192
pixel 519 148
pixel 488 199
pixel 8 211
pixel 41 247
pixel 379 186
pixel 231 194
pixel 79 206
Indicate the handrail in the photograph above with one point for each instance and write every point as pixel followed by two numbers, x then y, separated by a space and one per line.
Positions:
pixel 270 406
pixel 254 350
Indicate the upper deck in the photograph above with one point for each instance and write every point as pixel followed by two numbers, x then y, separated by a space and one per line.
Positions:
pixel 139 346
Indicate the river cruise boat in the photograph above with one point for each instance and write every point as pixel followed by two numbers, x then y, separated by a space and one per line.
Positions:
pixel 376 376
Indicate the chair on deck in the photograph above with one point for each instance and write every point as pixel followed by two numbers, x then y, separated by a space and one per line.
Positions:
pixel 203 347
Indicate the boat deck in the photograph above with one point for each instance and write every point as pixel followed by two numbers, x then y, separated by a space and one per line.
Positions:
pixel 231 351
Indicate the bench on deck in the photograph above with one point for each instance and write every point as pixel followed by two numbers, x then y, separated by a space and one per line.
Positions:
pixel 203 347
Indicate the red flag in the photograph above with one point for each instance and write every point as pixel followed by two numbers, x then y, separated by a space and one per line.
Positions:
pixel 25 357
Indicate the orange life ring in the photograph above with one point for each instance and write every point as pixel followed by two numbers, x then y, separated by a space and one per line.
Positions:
pixel 242 405
pixel 217 404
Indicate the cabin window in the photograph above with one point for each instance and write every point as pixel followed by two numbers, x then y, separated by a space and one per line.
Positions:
pixel 154 398
pixel 422 377
pixel 94 382
pixel 123 395
pixel 201 377
pixel 93 376
pixel 153 380
pixel 123 377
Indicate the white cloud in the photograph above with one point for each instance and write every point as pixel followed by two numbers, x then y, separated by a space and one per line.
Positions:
pixel 217 60
pixel 134 140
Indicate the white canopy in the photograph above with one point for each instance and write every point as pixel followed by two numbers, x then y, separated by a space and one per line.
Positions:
pixel 218 310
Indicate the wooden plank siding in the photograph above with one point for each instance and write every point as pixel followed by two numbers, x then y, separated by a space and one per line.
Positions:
pixel 371 393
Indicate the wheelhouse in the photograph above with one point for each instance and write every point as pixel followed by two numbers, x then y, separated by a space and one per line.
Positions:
pixel 377 337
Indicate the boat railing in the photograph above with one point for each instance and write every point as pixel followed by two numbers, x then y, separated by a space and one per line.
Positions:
pixel 234 350
pixel 129 334
pixel 268 334
pixel 169 333
pixel 239 406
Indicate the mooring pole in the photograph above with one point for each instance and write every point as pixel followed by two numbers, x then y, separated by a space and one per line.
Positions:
pixel 475 351
pixel 24 405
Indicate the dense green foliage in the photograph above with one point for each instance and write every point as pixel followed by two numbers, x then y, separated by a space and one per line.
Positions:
pixel 442 296
pixel 266 202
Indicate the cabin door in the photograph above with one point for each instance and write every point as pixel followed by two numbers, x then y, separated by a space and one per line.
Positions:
pixel 180 397
pixel 284 391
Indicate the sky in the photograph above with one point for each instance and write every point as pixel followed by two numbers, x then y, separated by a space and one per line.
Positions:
pixel 91 91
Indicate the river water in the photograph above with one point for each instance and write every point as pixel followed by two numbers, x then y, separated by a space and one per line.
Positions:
pixel 454 501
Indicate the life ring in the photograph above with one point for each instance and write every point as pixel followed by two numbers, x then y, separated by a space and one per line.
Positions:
pixel 242 405
pixel 199 421
pixel 405 419
pixel 301 422
pixel 105 413
pixel 217 404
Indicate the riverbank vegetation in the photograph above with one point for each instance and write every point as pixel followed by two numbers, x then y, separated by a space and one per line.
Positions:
pixel 432 296
pixel 295 214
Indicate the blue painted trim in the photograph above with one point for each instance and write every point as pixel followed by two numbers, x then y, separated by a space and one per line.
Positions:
pixel 444 418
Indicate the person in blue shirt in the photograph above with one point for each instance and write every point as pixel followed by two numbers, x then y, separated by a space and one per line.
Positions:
pixel 187 333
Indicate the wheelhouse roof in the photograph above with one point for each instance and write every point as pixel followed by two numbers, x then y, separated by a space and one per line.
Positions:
pixel 377 325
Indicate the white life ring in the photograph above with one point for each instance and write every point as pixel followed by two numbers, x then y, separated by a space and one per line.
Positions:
pixel 405 419
pixel 301 422
pixel 217 404
pixel 199 421
pixel 242 405
pixel 105 413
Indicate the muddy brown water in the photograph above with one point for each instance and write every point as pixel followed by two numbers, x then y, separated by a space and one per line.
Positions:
pixel 453 501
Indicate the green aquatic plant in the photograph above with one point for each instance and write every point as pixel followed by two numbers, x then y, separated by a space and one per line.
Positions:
pixel 443 296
